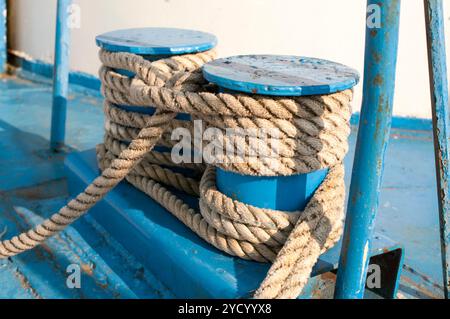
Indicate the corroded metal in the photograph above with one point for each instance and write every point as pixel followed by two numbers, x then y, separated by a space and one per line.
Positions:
pixel 3 42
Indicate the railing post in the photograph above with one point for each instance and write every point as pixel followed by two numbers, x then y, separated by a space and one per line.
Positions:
pixel 3 36
pixel 373 137
pixel 60 76
pixel 439 99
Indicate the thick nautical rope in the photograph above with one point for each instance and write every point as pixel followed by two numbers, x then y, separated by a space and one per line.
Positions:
pixel 314 136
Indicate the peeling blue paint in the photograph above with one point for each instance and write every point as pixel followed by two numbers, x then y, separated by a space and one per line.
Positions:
pixel 156 41
pixel 408 205
pixel 434 16
pixel 60 76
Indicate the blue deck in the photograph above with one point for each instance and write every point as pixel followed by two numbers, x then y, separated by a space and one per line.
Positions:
pixel 34 185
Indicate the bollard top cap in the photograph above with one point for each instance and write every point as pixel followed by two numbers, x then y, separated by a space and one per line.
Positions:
pixel 156 41
pixel 280 75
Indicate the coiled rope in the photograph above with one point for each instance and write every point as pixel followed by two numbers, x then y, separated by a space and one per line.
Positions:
pixel 314 132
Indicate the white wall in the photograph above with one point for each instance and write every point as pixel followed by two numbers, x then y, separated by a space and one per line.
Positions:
pixel 330 29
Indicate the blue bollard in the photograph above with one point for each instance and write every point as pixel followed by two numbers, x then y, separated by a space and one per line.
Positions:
pixel 156 42
pixel 373 137
pixel 276 76
pixel 434 16
pixel 60 77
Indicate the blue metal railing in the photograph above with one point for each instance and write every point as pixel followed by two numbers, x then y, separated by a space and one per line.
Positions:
pixel 3 42
pixel 375 123
pixel 434 17
pixel 373 137
pixel 60 76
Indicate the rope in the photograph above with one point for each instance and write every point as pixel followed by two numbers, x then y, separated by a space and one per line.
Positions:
pixel 314 132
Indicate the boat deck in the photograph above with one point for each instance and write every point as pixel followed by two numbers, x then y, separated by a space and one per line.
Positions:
pixel 34 185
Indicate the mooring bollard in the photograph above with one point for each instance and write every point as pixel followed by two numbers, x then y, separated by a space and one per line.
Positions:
pixel 154 44
pixel 274 75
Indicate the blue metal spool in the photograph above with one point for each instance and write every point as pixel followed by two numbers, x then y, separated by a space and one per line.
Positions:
pixel 154 44
pixel 374 126
pixel 277 76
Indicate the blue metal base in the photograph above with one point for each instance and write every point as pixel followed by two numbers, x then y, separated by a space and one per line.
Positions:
pixel 186 264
